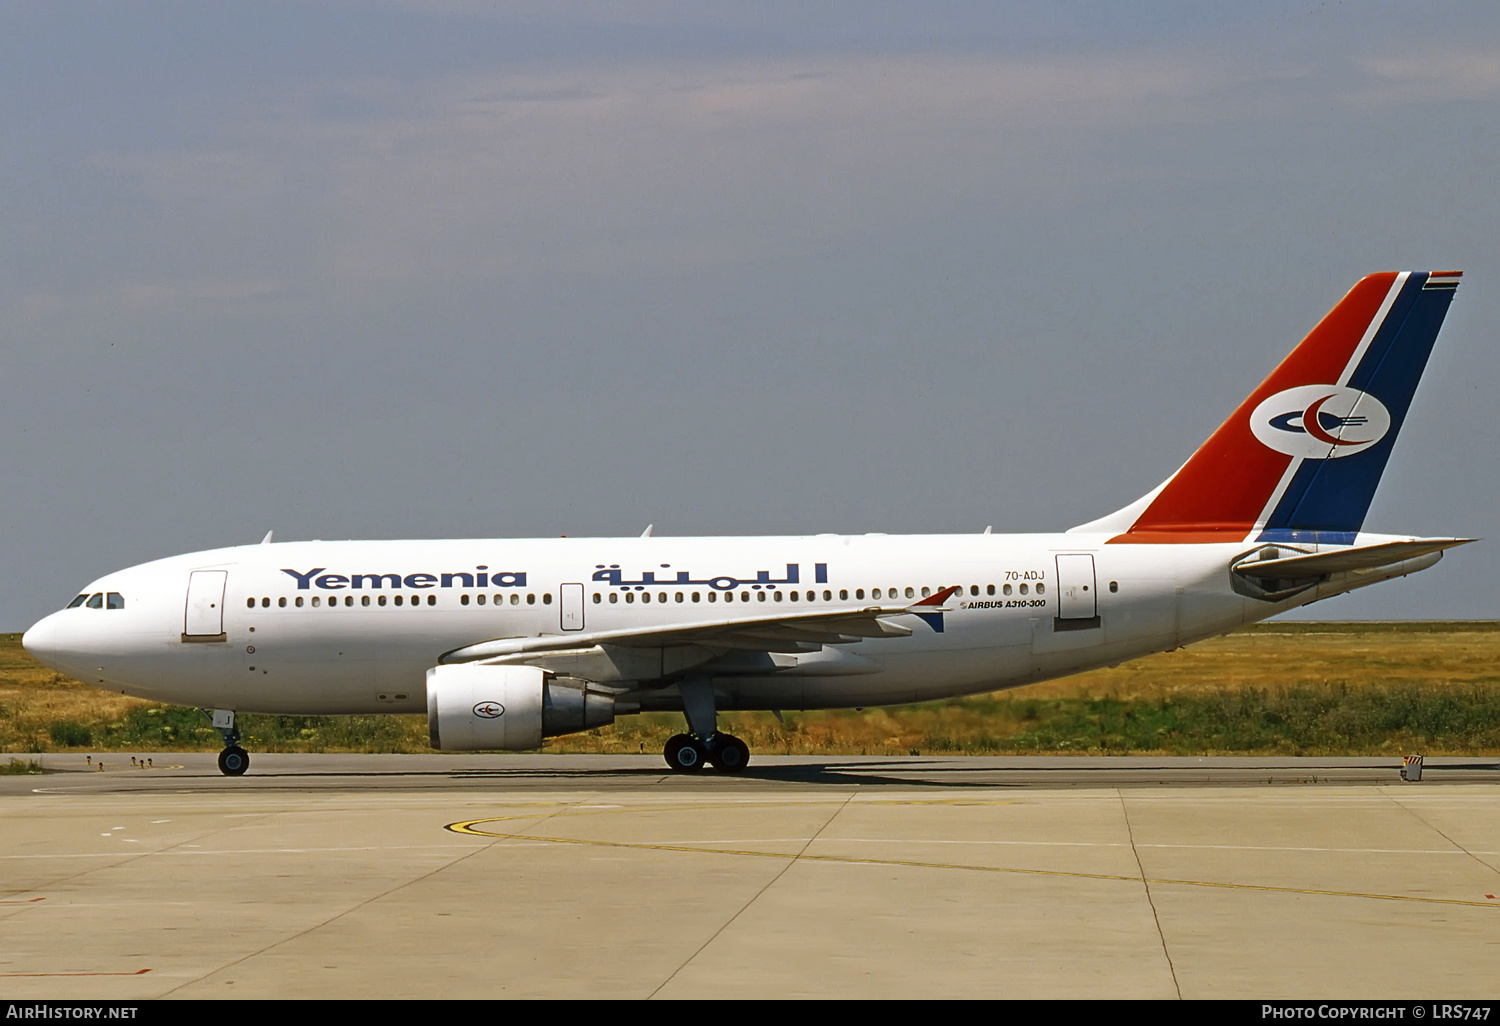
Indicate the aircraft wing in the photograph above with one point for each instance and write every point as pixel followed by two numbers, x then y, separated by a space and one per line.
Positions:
pixel 782 631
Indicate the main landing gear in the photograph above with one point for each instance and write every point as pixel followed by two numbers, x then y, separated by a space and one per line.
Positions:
pixel 689 753
pixel 233 760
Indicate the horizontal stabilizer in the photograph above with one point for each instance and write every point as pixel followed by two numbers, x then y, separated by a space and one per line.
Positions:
pixel 1319 564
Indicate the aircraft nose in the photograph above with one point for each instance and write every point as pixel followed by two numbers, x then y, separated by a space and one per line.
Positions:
pixel 44 641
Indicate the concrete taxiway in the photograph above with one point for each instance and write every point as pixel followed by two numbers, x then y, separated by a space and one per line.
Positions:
pixel 606 876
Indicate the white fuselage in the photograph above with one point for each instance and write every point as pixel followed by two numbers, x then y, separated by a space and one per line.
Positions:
pixel 351 627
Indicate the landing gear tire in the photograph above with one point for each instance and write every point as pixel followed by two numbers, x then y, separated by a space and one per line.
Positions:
pixel 730 754
pixel 685 754
pixel 234 761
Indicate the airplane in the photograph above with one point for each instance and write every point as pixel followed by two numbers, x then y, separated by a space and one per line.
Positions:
pixel 505 642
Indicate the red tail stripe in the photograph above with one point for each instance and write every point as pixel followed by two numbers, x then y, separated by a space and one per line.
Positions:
pixel 1227 483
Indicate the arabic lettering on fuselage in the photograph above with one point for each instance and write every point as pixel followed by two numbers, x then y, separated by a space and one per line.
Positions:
pixel 721 582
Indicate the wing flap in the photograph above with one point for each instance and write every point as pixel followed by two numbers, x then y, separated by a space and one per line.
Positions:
pixel 784 631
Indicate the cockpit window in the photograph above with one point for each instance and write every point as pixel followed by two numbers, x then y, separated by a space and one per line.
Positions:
pixel 96 601
pixel 114 600
pixel 80 600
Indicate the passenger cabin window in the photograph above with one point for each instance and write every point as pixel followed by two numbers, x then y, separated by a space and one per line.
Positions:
pixel 114 601
pixel 96 600
pixel 80 600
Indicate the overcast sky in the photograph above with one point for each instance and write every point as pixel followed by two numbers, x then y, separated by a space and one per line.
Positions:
pixel 446 269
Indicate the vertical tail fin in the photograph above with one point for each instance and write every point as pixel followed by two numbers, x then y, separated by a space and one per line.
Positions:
pixel 1300 458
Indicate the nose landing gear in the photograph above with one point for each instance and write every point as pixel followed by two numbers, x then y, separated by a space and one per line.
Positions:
pixel 689 753
pixel 233 760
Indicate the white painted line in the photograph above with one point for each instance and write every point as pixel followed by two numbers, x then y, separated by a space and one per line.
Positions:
pixel 826 840
pixel 438 849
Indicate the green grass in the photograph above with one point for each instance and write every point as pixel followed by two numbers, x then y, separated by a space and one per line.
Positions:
pixel 16 768
pixel 1275 688
pixel 1331 720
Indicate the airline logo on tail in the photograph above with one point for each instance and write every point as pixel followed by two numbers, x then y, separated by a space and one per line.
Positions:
pixel 1320 421
pixel 1279 469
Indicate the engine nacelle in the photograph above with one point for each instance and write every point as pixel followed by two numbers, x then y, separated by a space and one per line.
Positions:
pixel 474 708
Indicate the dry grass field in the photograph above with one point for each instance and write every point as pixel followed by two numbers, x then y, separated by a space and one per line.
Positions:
pixel 1293 688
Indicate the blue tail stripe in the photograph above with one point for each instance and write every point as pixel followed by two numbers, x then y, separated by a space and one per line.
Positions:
pixel 1334 495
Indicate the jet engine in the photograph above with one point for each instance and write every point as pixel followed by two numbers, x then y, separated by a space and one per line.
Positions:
pixel 474 708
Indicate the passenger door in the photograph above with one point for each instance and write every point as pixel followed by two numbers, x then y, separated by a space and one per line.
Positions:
pixel 571 607
pixel 1077 599
pixel 204 619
